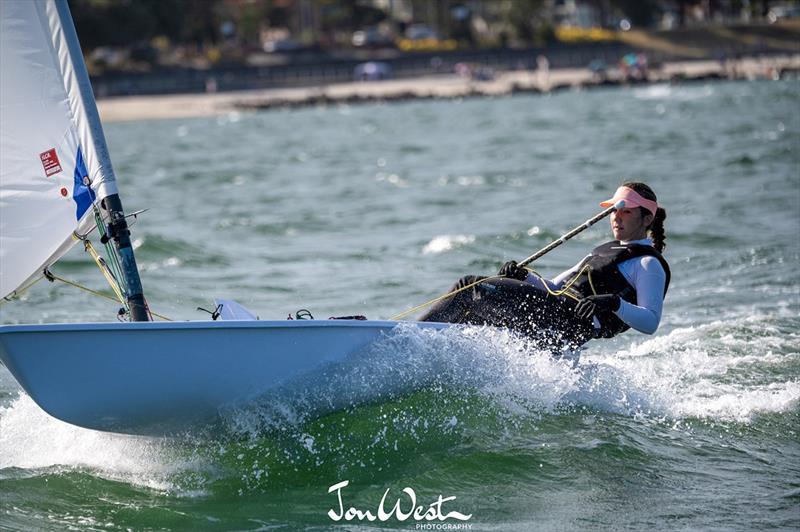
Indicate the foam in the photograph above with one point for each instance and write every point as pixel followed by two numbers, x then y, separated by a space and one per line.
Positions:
pixel 663 91
pixel 730 403
pixel 443 243
pixel 31 439
pixel 502 367
pixel 725 370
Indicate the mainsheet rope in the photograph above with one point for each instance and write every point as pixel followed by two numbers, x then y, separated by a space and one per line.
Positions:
pixel 563 291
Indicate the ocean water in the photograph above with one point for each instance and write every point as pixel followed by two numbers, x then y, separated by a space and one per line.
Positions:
pixel 374 209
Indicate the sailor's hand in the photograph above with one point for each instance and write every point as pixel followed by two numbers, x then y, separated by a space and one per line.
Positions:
pixel 513 270
pixel 591 305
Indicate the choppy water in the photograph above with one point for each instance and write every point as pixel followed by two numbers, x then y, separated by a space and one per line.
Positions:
pixel 376 208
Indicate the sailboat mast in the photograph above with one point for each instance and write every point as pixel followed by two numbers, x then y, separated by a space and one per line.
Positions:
pixel 121 237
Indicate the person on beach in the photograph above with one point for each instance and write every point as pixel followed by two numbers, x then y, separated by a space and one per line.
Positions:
pixel 619 285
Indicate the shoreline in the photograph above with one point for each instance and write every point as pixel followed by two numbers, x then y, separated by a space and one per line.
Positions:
pixel 128 108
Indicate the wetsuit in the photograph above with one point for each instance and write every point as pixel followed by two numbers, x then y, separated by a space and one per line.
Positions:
pixel 634 271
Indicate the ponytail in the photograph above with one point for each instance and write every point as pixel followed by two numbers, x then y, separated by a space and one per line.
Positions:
pixel 656 229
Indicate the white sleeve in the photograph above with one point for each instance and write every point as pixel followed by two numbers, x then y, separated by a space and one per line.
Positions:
pixel 557 281
pixel 648 277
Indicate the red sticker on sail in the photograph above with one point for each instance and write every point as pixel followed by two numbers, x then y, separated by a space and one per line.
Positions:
pixel 50 162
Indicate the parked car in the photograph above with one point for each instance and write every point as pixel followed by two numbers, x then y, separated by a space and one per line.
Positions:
pixel 423 38
pixel 372 71
pixel 780 12
pixel 372 37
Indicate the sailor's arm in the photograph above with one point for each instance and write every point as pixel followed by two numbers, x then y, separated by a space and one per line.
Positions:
pixel 649 281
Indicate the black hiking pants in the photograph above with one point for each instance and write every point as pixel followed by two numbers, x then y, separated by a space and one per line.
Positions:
pixel 516 305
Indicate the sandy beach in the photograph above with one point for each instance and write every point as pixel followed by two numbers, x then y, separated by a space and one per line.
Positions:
pixel 442 86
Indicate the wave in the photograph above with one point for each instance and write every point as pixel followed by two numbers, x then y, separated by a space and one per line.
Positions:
pixel 418 392
pixel 690 372
pixel 670 92
pixel 42 445
pixel 731 370
pixel 442 243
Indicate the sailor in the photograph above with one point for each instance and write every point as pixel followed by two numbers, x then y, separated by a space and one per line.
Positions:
pixel 619 285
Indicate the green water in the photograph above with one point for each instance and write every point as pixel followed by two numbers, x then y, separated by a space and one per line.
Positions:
pixel 373 209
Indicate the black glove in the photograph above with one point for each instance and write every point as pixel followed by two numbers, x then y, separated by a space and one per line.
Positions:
pixel 591 305
pixel 513 270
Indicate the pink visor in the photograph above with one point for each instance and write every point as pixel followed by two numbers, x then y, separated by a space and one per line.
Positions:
pixel 632 199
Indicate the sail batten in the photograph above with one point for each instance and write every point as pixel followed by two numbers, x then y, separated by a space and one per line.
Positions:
pixel 54 162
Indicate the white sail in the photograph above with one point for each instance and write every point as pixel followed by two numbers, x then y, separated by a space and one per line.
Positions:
pixel 51 140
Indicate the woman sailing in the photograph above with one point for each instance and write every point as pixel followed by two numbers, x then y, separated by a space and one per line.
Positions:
pixel 619 285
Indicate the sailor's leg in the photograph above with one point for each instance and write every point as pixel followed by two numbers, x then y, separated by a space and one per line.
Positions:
pixel 526 309
pixel 457 308
pixel 516 305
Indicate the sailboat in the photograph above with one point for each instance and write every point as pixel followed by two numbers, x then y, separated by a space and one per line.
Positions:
pixel 57 185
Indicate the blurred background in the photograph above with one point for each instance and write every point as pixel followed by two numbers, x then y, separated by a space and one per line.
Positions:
pixel 191 46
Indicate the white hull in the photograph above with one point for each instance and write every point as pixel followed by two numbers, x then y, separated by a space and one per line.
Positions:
pixel 161 378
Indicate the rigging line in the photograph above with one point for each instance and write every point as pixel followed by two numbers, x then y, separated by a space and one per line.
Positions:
pixel 116 268
pixel 443 296
pixel 107 273
pixel 131 215
pixel 151 313
pixel 19 291
pixel 104 269
pixel 55 277
pixel 563 291
pixel 111 252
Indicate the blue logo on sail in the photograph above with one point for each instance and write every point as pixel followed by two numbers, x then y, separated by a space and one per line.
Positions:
pixel 82 193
